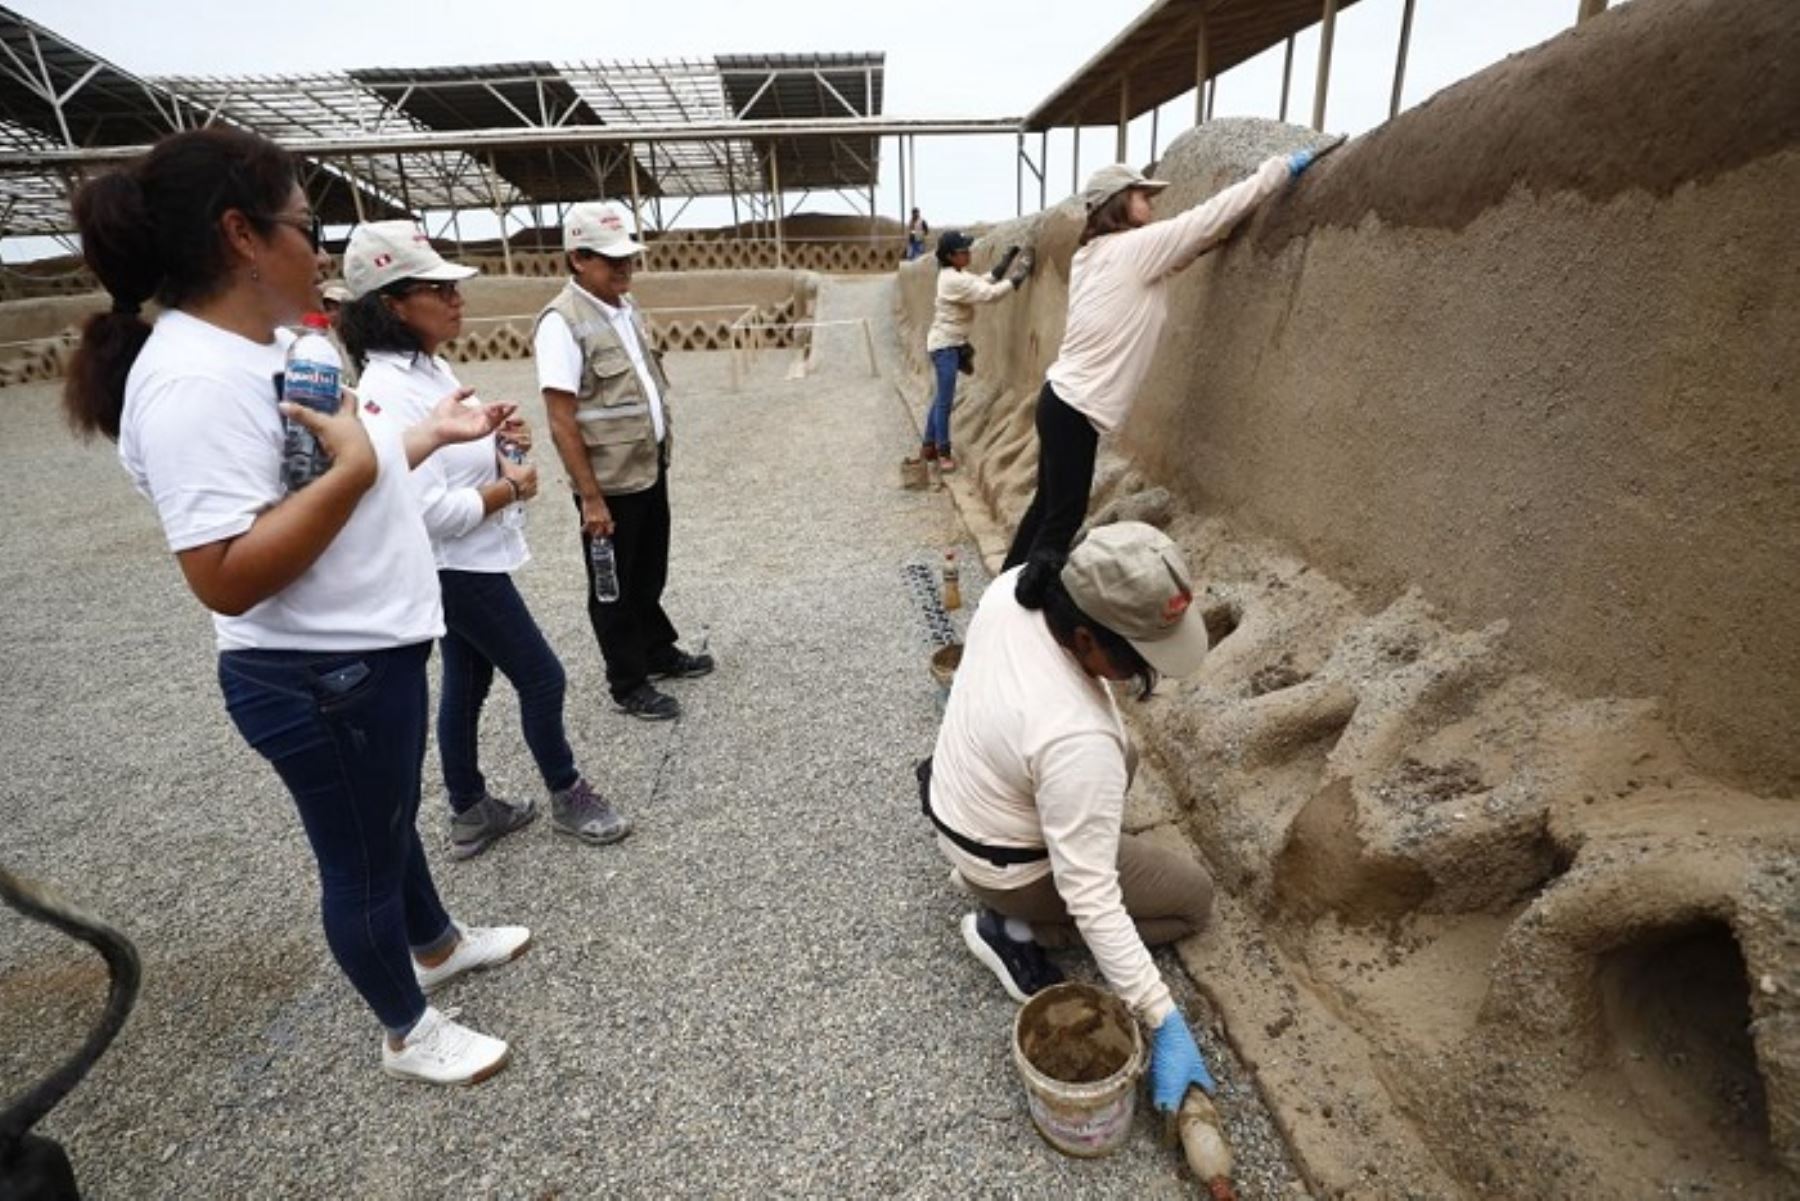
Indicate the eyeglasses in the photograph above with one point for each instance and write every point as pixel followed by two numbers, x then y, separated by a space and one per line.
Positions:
pixel 446 289
pixel 628 263
pixel 312 225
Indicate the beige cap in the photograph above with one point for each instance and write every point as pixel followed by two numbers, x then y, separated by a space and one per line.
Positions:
pixel 337 291
pixel 384 252
pixel 1108 182
pixel 1131 578
pixel 602 227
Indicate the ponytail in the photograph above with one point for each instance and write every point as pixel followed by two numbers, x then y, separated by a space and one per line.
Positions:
pixel 150 230
pixel 1040 588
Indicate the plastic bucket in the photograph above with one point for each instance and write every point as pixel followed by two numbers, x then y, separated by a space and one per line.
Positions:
pixel 944 662
pixel 1079 1031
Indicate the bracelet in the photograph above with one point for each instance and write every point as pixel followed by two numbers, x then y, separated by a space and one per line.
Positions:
pixel 518 493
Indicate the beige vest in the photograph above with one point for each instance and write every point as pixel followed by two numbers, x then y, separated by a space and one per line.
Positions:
pixel 611 408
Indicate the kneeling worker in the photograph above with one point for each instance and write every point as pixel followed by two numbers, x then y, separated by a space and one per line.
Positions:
pixel 1027 783
pixel 607 401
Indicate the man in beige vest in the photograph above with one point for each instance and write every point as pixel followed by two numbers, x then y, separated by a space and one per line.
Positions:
pixel 607 400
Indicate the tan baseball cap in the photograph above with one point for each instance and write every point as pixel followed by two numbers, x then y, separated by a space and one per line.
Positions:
pixel 336 291
pixel 602 227
pixel 385 252
pixel 1131 578
pixel 1108 182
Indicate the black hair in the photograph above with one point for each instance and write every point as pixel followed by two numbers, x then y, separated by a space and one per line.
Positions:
pixel 149 230
pixel 1040 587
pixel 366 324
pixel 944 256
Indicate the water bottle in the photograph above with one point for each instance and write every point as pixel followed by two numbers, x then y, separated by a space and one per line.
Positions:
pixel 513 516
pixel 606 569
pixel 312 378
pixel 952 582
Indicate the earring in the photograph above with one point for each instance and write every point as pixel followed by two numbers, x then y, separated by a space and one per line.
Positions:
pixel 255 275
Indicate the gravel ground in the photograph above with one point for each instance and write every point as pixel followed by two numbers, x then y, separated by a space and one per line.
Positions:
pixel 761 992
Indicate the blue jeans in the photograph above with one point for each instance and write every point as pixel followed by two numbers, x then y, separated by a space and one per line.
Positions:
pixel 488 627
pixel 345 731
pixel 937 422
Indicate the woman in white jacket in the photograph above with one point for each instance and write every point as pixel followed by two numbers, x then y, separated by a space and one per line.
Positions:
pixel 1027 783
pixel 952 316
pixel 1118 303
pixel 407 304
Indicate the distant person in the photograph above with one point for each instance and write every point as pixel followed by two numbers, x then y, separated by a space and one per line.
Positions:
pixel 333 296
pixel 1027 783
pixel 947 342
pixel 607 399
pixel 1118 302
pixel 408 304
pixel 324 600
pixel 916 232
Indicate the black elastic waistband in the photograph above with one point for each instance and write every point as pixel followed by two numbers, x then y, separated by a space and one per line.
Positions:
pixel 998 856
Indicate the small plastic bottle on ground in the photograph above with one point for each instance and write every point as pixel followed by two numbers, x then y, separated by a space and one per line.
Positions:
pixel 312 378
pixel 1203 1142
pixel 952 582
pixel 606 570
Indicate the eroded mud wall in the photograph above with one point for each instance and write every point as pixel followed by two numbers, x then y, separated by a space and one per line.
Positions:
pixel 1531 348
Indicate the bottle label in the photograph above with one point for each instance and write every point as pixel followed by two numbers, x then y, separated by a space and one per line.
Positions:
pixel 314 385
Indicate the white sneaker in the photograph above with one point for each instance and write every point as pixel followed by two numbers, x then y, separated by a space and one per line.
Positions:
pixel 479 948
pixel 440 1051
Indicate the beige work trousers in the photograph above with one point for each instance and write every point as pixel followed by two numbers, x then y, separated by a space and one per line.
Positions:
pixel 1167 895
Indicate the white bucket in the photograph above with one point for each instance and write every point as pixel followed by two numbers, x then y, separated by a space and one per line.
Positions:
pixel 1086 1118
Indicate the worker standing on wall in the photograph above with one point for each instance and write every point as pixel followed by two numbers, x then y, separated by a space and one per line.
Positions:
pixel 947 342
pixel 1027 782
pixel 1118 302
pixel 607 401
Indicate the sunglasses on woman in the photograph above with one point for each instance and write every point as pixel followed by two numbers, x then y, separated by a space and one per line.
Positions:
pixel 312 225
pixel 446 289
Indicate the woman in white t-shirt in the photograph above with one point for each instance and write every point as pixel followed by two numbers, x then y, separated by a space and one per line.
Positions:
pixel 324 600
pixel 406 305
pixel 1027 783
pixel 1118 301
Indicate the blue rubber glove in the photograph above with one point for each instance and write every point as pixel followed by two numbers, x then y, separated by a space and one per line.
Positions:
pixel 1299 161
pixel 1176 1064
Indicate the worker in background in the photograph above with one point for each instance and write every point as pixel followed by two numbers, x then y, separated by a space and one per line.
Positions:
pixel 947 342
pixel 1027 783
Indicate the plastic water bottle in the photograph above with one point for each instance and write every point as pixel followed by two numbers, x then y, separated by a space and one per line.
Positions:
pixel 311 378
pixel 606 570
pixel 513 518
pixel 952 582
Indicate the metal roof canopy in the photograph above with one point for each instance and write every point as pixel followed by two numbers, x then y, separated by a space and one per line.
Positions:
pixel 1157 57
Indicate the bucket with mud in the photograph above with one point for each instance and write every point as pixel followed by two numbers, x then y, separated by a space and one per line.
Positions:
pixel 1080 1053
pixel 944 662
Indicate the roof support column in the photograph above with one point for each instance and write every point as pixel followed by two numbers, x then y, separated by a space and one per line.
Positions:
pixel 1044 169
pixel 1075 158
pixel 1201 68
pixel 637 223
pixel 900 162
pixel 912 166
pixel 1287 76
pixel 493 184
pixel 1326 29
pixel 775 190
pixel 1400 58
pixel 1155 114
pixel 1019 175
pixel 731 183
pixel 1124 117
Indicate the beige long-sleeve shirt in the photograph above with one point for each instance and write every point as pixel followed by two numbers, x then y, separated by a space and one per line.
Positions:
pixel 958 292
pixel 1118 297
pixel 1032 753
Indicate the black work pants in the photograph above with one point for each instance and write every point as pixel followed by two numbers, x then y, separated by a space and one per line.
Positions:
pixel 634 633
pixel 1065 476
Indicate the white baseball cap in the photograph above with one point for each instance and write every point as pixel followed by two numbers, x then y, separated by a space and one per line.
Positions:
pixel 385 252
pixel 602 227
pixel 1131 578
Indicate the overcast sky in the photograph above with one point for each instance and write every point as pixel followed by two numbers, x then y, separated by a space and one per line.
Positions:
pixel 982 58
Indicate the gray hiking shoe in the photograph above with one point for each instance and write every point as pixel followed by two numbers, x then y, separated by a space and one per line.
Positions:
pixel 580 812
pixel 486 822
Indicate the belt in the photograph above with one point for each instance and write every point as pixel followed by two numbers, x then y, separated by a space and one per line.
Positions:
pixel 998 856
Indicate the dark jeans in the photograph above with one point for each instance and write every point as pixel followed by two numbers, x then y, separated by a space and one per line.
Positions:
pixel 488 627
pixel 345 731
pixel 937 421
pixel 1065 477
pixel 634 633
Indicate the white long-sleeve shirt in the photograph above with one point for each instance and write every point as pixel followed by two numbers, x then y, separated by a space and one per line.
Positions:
pixel 1032 752
pixel 953 313
pixel 1118 297
pixel 401 389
